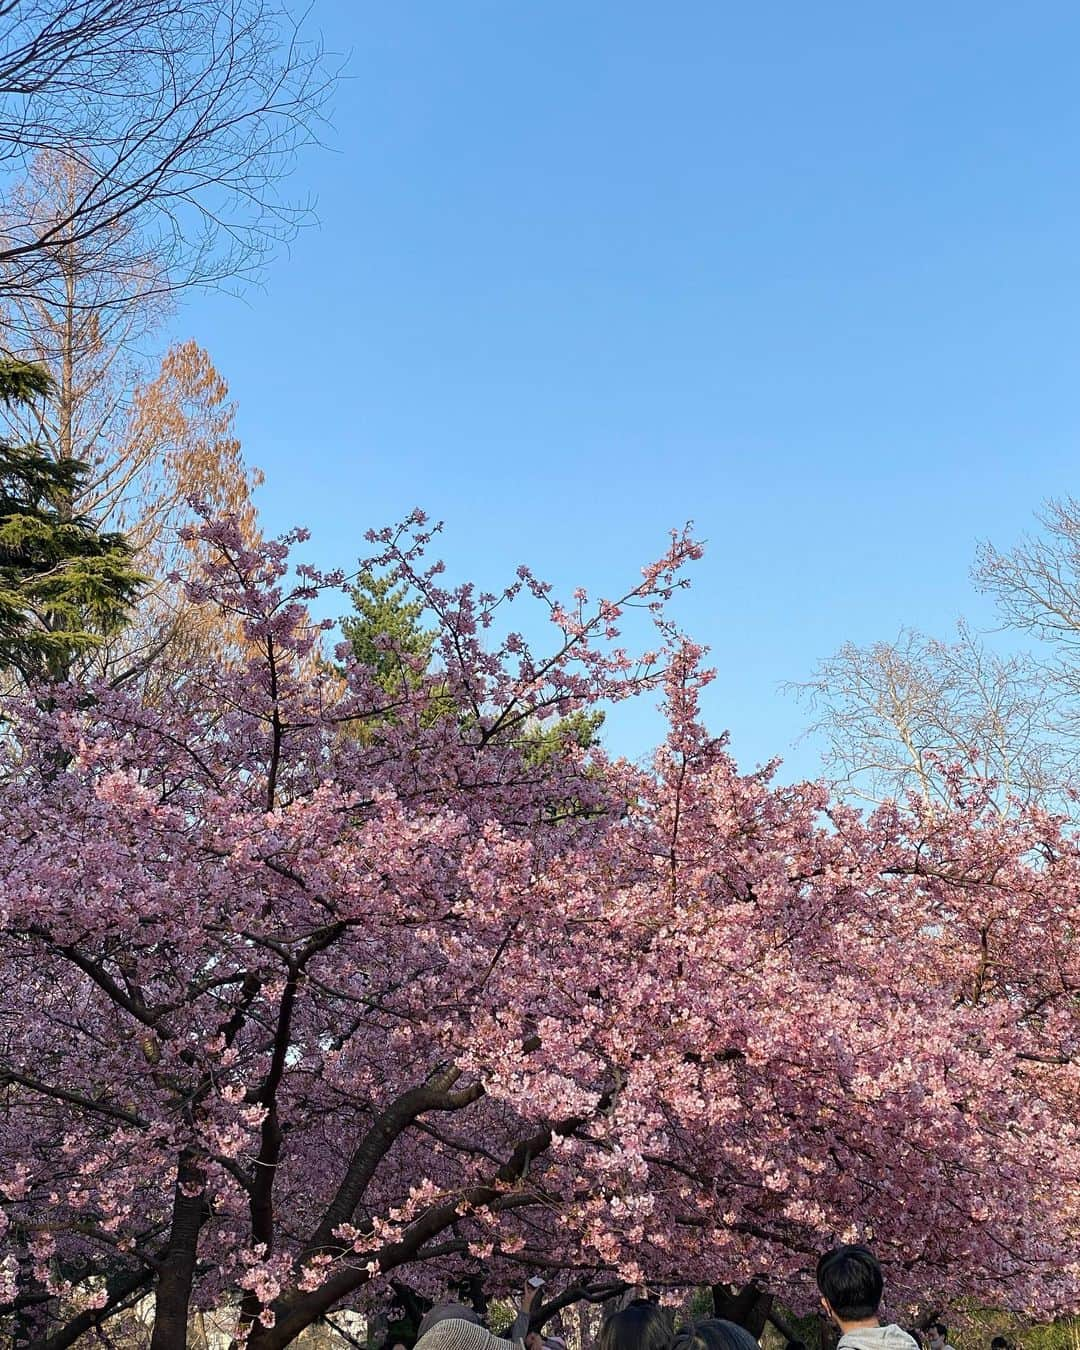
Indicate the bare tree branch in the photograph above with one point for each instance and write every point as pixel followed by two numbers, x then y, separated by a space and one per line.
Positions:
pixel 896 715
pixel 182 119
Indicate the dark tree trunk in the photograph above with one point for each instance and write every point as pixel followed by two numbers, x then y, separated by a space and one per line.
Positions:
pixel 172 1303
pixel 472 1288
pixel 31 1321
pixel 414 1306
pixel 748 1307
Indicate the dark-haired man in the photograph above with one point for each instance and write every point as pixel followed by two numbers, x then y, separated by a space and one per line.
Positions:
pixel 851 1285
pixel 937 1336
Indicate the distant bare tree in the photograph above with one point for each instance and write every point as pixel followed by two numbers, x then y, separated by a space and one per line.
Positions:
pixel 1037 589
pixel 181 117
pixel 87 322
pixel 895 715
pixel 1037 584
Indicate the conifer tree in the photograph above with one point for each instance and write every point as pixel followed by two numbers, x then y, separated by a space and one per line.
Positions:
pixel 385 631
pixel 64 585
pixel 386 634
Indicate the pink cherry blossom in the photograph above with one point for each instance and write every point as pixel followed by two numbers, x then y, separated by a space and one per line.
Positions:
pixel 310 986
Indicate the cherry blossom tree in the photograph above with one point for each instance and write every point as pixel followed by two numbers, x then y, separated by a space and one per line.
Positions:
pixel 292 1013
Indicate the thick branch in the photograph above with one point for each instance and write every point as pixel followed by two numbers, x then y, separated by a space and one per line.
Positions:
pixel 121 1294
pixel 101 1108
pixel 294 1313
pixel 434 1095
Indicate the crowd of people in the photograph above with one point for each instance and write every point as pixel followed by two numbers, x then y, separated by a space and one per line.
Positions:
pixel 850 1285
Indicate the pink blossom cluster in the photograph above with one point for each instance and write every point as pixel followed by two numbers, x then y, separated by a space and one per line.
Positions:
pixel 310 985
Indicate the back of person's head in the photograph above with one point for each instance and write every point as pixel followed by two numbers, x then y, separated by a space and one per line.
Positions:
pixel 447 1312
pixel 689 1338
pixel 940 1328
pixel 714 1333
pixel 641 1326
pixel 850 1281
pixel 720 1334
pixel 1000 1343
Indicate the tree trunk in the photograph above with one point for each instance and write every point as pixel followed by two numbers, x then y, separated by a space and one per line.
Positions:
pixel 173 1298
pixel 473 1289
pixel 30 1322
pixel 748 1307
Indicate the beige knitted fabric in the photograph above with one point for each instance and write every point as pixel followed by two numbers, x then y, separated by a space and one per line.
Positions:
pixel 454 1334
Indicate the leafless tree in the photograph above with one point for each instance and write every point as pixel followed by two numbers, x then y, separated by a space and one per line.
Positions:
pixel 1037 589
pixel 1037 584
pixel 182 117
pixel 894 716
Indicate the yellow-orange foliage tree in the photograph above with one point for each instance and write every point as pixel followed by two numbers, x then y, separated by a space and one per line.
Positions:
pixel 153 438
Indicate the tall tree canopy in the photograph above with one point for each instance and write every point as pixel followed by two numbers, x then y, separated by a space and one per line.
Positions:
pixel 385 632
pixel 292 1013
pixel 153 432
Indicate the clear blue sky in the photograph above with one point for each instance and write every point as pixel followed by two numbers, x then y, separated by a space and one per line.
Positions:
pixel 807 274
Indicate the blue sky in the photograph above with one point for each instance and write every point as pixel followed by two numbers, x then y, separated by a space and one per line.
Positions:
pixel 806 274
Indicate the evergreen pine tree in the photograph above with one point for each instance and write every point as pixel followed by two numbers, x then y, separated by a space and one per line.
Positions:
pixel 64 585
pixel 386 634
pixel 385 631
